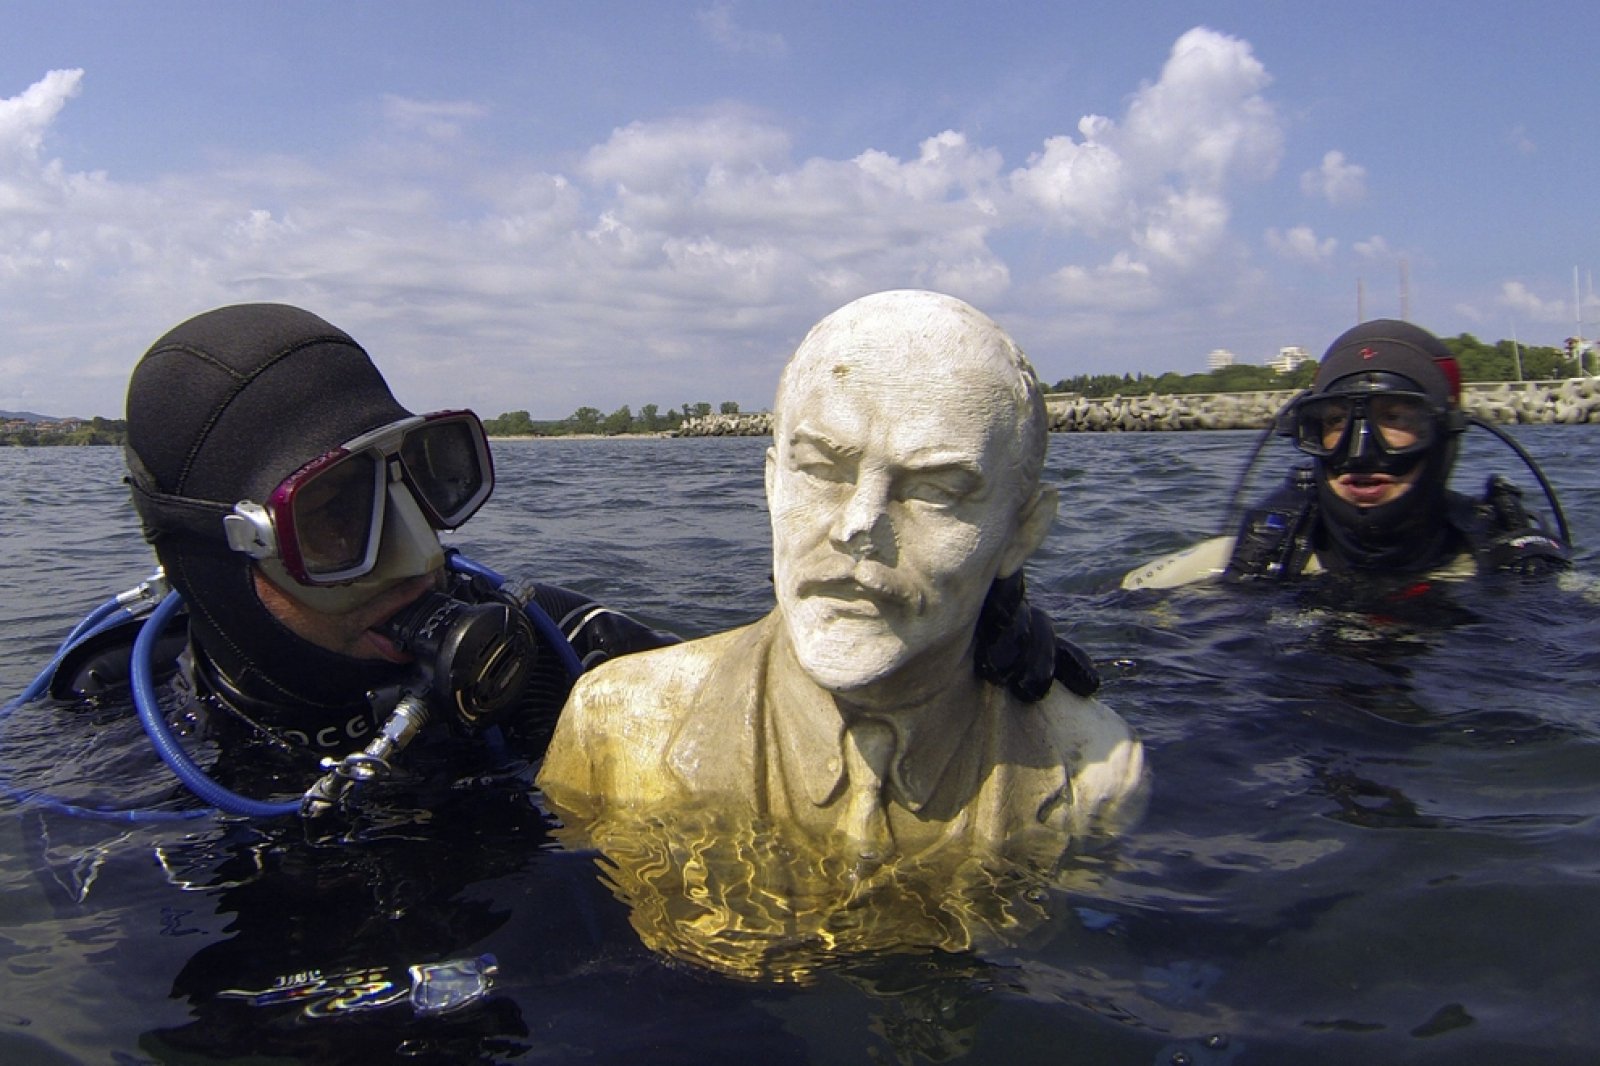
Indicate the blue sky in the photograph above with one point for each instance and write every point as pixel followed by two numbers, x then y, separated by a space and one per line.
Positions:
pixel 543 206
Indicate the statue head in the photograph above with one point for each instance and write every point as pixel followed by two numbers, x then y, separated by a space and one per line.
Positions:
pixel 909 436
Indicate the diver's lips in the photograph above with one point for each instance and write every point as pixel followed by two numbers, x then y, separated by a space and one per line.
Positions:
pixel 1367 488
pixel 384 646
pixel 387 606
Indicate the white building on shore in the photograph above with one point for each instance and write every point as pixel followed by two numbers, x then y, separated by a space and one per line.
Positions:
pixel 1219 358
pixel 1289 359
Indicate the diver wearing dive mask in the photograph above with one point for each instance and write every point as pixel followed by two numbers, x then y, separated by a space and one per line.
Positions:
pixel 1382 425
pixel 295 506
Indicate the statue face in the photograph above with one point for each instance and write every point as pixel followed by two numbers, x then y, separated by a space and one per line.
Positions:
pixel 896 497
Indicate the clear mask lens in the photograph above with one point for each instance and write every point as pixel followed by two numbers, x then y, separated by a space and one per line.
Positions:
pixel 335 516
pixel 328 517
pixel 445 468
pixel 1394 423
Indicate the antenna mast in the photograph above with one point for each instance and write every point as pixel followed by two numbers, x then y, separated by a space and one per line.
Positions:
pixel 1361 311
pixel 1515 350
pixel 1577 307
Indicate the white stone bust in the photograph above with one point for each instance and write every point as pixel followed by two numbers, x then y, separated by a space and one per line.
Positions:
pixel 904 477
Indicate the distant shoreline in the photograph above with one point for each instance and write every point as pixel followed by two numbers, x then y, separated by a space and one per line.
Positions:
pixel 584 436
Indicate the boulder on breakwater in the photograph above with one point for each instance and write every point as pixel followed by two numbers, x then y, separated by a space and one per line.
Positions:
pixel 1569 402
pixel 758 424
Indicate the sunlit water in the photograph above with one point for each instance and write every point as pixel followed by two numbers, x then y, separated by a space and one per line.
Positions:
pixel 1372 838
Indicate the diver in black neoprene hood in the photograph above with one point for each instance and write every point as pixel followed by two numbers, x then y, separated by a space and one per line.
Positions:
pixel 293 505
pixel 1382 424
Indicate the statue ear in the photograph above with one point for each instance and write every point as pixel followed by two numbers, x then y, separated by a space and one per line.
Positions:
pixel 772 470
pixel 1033 525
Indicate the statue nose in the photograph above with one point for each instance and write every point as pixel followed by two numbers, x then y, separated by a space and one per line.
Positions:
pixel 861 524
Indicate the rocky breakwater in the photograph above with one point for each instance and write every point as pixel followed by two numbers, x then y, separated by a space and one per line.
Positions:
pixel 1131 414
pixel 740 425
pixel 1569 402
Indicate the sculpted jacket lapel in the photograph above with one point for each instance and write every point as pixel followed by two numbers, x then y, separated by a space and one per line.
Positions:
pixel 718 749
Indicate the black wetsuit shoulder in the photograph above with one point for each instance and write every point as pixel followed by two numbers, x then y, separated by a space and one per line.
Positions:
pixel 1276 537
pixel 100 666
pixel 1279 537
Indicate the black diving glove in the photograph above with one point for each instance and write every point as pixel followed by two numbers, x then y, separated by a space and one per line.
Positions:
pixel 1017 647
pixel 1518 543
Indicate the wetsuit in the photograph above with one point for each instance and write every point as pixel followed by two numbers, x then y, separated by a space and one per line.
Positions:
pixel 1280 538
pixel 99 670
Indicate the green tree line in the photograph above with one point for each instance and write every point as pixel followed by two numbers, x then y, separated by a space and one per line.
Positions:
pixel 1479 362
pixel 592 421
pixel 95 431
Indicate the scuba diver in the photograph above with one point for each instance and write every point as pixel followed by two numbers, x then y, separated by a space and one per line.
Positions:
pixel 314 616
pixel 1382 424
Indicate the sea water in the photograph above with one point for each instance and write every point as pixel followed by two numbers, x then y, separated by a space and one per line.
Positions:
pixel 1372 835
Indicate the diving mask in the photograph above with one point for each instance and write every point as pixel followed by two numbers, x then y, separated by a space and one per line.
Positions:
pixel 325 523
pixel 1380 423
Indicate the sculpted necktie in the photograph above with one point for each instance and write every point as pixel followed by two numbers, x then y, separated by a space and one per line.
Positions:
pixel 868 747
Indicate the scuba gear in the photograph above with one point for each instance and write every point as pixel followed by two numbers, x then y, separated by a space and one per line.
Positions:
pixel 473 658
pixel 1382 422
pixel 1278 541
pixel 1385 405
pixel 1386 346
pixel 475 653
pixel 1016 647
pixel 324 522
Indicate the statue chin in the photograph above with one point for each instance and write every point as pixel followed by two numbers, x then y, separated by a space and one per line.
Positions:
pixel 844 657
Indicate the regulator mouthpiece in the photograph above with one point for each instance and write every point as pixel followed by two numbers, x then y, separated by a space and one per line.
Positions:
pixel 473 659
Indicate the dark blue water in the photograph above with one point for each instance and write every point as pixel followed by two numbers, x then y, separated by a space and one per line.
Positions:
pixel 1373 835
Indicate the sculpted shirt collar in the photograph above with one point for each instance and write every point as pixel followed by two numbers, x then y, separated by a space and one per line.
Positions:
pixel 930 744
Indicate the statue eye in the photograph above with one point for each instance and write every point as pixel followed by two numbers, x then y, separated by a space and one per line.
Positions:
pixel 820 463
pixel 941 489
pixel 830 472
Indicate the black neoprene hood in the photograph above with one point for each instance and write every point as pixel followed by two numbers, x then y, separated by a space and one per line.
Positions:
pixel 222 409
pixel 1407 532
pixel 231 402
pixel 1390 346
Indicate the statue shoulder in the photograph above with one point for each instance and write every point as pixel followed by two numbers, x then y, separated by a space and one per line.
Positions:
pixel 618 725
pixel 1103 757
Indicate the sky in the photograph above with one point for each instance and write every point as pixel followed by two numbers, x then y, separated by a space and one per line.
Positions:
pixel 542 206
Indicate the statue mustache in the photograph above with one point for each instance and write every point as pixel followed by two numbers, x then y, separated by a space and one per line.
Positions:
pixel 851 580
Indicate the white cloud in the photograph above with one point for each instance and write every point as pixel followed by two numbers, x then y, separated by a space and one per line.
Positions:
pixel 718 23
pixel 679 257
pixel 24 118
pixel 1532 307
pixel 1338 181
pixel 684 152
pixel 1123 285
pixel 433 119
pixel 1374 248
pixel 1301 245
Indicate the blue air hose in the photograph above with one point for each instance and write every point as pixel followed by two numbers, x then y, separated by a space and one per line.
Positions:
pixel 166 745
pixel 115 611
pixel 111 613
pixel 97 620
